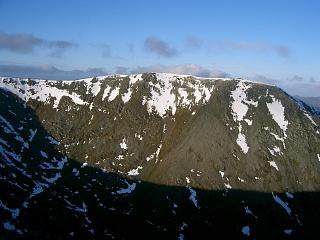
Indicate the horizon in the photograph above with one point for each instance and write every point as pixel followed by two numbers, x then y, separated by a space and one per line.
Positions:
pixel 270 42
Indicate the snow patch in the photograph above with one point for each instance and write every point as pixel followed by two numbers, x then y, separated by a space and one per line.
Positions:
pixel 193 197
pixel 275 150
pixel 240 102
pixel 288 231
pixel 123 144
pixel 53 179
pixel 249 212
pixel 277 110
pixel 132 80
pixel 241 141
pixel 241 179
pixel 52 140
pixel 94 87
pixel 273 164
pixel 136 135
pixel 84 165
pixel 282 203
pixel 114 93
pixel 188 180
pixel 289 195
pixel 130 188
pixel 8 226
pixel 246 230
pixel 106 92
pixel 239 108
pixel 43 154
pixel 310 118
pixel 135 172
pixel 156 154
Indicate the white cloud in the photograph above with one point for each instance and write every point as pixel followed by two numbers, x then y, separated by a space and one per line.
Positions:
pixel 190 69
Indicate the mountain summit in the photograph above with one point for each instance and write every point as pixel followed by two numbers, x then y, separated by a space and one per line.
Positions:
pixel 156 155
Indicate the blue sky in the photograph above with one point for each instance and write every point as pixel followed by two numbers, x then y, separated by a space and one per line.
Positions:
pixel 270 41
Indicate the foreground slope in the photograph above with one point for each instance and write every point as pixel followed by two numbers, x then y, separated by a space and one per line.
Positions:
pixel 196 150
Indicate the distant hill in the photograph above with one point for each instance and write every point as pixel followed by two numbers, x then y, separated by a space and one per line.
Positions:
pixel 312 101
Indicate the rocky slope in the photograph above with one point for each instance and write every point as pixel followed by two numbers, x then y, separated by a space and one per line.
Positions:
pixel 156 155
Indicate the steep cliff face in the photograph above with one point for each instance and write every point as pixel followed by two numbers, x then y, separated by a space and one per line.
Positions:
pixel 163 138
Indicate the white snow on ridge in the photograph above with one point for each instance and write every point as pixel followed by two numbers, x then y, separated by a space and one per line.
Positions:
pixel 240 102
pixel 163 93
pixel 239 109
pixel 318 155
pixel 162 99
pixel 132 80
pixel 276 109
pixel 41 91
pixel 93 87
pixel 135 78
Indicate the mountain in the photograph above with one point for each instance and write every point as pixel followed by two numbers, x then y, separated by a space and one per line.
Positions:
pixel 311 101
pixel 156 155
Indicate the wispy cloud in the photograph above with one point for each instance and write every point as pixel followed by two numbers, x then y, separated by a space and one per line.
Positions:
pixel 195 42
pixel 264 47
pixel 106 50
pixel 48 72
pixel 295 78
pixel 27 43
pixel 121 70
pixel 280 50
pixel 189 69
pixel 159 47
pixel 59 47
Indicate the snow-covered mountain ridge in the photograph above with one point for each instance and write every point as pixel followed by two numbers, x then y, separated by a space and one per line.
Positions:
pixel 97 149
